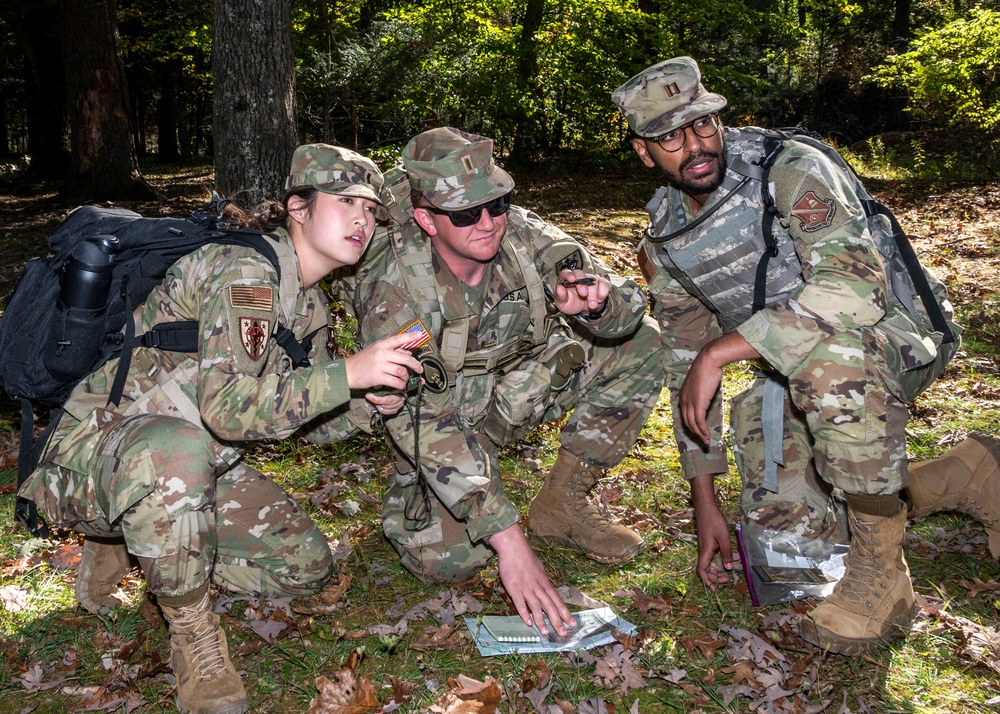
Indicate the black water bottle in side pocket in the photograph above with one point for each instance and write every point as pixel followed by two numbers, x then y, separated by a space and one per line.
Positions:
pixel 83 302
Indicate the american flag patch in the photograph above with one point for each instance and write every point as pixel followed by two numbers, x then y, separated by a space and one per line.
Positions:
pixel 419 333
pixel 251 297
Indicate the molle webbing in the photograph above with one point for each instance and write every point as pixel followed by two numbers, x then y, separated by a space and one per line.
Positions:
pixel 413 255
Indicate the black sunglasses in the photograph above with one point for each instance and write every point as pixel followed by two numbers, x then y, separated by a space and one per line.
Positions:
pixel 470 216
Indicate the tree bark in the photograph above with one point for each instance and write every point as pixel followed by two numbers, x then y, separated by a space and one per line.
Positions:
pixel 901 25
pixel 45 86
pixel 166 111
pixel 253 70
pixel 103 166
pixel 525 137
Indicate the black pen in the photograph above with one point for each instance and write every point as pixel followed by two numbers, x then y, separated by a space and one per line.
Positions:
pixel 582 281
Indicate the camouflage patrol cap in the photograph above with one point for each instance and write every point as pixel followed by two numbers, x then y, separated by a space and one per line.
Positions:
pixel 336 170
pixel 454 169
pixel 665 96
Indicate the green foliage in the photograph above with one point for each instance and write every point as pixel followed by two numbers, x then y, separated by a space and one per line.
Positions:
pixel 951 73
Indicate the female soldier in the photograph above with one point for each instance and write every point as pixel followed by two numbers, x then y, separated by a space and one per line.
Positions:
pixel 160 477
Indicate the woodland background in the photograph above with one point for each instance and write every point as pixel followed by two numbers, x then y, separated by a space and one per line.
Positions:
pixel 87 87
pixel 152 103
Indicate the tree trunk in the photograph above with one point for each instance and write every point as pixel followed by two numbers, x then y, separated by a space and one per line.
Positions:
pixel 253 70
pixel 103 166
pixel 525 138
pixel 166 111
pixel 901 25
pixel 45 86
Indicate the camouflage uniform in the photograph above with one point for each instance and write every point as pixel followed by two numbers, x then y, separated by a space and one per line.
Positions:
pixel 501 386
pixel 828 335
pixel 163 469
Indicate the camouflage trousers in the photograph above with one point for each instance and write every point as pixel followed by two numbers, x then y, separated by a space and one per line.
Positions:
pixel 189 516
pixel 843 432
pixel 609 400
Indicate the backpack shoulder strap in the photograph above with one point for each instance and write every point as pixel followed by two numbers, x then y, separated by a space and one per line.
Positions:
pixel 772 147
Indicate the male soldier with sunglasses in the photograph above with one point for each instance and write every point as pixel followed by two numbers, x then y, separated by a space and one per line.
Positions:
pixel 764 248
pixel 515 323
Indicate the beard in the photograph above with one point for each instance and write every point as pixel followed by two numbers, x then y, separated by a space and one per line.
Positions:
pixel 702 186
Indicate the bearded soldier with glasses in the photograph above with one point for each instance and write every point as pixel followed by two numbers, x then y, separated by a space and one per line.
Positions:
pixel 514 323
pixel 763 247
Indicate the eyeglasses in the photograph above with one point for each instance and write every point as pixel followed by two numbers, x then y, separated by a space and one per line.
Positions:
pixel 470 216
pixel 703 128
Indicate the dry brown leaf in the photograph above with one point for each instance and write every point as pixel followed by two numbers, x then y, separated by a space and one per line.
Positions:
pixel 469 696
pixel 151 613
pixel 742 671
pixel 326 600
pixel 345 695
pixel 400 689
pixel 445 637
pixel 645 603
pixel 978 586
pixel 66 556
pixel 706 642
pixel 536 675
pixel 15 567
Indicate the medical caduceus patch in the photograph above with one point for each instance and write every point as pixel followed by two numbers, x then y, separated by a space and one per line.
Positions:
pixel 813 212
pixel 253 335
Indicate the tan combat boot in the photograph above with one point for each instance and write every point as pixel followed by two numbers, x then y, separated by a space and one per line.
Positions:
pixel 873 602
pixel 206 680
pixel 102 566
pixel 561 514
pixel 967 480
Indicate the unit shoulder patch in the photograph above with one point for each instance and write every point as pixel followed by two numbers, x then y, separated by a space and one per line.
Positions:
pixel 813 212
pixel 254 333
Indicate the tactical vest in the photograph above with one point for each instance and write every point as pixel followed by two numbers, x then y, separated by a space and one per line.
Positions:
pixel 412 253
pixel 715 256
pixel 736 258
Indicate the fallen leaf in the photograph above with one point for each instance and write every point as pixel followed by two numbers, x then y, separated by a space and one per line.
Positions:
pixel 400 689
pixel 151 613
pixel 978 586
pixel 66 556
pixel 616 669
pixel 742 671
pixel 344 695
pixel 644 603
pixel 444 637
pixel 15 567
pixel 577 598
pixel 326 600
pixel 14 598
pixel 706 642
pixel 536 675
pixel 469 696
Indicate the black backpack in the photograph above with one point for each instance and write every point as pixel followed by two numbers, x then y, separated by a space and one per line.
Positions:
pixel 47 347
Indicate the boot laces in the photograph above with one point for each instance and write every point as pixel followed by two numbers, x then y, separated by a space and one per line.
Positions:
pixel 207 658
pixel 864 573
pixel 584 509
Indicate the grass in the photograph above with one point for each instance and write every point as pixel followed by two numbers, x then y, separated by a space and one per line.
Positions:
pixel 924 673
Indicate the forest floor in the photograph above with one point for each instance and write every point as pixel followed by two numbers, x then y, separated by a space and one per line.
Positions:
pixel 378 640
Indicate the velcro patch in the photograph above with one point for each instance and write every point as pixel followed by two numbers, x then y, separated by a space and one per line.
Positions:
pixel 435 376
pixel 813 212
pixel 418 332
pixel 646 265
pixel 251 297
pixel 572 261
pixel 254 333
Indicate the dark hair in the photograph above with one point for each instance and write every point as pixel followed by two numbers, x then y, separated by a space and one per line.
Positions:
pixel 268 215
